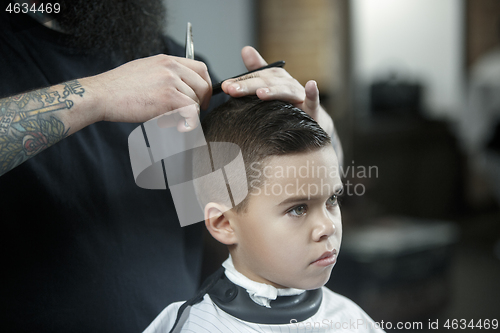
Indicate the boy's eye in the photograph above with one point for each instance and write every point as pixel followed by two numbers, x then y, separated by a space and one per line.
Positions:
pixel 333 200
pixel 298 211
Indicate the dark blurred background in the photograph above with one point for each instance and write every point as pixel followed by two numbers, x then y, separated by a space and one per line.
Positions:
pixel 414 89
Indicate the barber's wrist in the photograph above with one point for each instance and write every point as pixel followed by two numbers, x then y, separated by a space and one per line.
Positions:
pixel 94 106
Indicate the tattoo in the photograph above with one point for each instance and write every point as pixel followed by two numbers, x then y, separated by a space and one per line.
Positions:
pixel 29 122
pixel 73 87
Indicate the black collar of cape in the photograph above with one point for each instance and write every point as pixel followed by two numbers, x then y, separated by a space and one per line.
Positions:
pixel 236 301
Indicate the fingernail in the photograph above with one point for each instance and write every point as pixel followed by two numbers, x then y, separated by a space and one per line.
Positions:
pixel 266 91
pixel 236 86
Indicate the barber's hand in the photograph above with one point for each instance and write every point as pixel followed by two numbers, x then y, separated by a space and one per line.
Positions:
pixel 145 88
pixel 276 83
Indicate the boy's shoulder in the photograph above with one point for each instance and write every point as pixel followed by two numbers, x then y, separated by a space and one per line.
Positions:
pixel 202 317
pixel 336 312
pixel 165 319
pixel 338 303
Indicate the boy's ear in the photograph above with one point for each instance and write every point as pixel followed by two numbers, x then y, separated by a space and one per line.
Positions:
pixel 217 221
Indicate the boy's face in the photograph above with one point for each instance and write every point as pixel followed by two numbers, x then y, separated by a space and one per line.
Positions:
pixel 292 219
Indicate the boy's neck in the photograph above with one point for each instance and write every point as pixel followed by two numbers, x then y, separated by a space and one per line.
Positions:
pixel 260 293
pixel 251 276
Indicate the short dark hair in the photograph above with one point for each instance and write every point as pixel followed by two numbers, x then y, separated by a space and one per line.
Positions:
pixel 262 129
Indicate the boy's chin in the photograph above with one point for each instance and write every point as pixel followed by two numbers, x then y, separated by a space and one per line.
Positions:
pixel 317 285
pixel 310 284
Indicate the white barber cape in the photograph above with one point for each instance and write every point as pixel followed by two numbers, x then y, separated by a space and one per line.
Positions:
pixel 335 314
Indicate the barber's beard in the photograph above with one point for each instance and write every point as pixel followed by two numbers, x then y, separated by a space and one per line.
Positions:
pixel 128 28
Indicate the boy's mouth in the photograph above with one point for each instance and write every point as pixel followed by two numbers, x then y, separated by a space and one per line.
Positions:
pixel 328 258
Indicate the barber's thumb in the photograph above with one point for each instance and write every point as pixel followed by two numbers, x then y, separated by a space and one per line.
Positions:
pixel 312 94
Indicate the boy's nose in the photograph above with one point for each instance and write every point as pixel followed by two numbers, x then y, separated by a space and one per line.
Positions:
pixel 324 228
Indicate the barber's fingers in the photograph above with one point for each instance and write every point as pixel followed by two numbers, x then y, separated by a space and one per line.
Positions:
pixel 196 78
pixel 187 89
pixel 252 58
pixel 268 84
pixel 198 67
pixel 185 119
pixel 288 93
pixel 190 118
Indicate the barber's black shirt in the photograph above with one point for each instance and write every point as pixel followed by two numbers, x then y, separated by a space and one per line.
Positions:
pixel 83 248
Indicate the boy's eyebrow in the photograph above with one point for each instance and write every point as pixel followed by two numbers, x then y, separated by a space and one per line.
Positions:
pixel 295 199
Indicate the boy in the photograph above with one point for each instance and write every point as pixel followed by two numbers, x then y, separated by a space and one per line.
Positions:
pixel 283 238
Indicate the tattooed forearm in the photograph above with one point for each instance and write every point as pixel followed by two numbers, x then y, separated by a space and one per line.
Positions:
pixel 31 122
